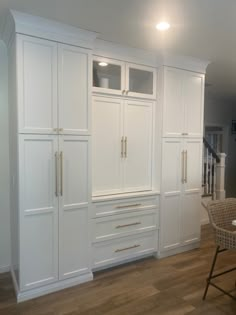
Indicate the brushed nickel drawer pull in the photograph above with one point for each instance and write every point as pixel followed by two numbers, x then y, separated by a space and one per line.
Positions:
pixel 56 174
pixel 182 167
pixel 122 147
pixel 126 225
pixel 129 206
pixel 126 248
pixel 61 158
pixel 126 140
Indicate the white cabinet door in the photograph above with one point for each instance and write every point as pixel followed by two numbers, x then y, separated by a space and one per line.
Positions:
pixel 36 84
pixel 140 81
pixel 137 160
pixel 173 109
pixel 74 84
pixel 192 191
pixel 172 173
pixel 193 98
pixel 38 211
pixel 73 215
pixel 107 117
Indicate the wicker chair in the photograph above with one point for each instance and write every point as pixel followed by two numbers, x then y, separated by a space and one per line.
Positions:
pixel 221 214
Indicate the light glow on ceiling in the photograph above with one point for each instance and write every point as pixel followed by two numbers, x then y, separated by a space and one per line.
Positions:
pixel 163 26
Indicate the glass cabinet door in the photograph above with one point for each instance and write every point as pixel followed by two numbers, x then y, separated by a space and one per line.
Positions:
pixel 141 80
pixel 107 76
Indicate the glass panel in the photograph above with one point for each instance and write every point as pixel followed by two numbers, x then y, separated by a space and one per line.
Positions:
pixel 140 81
pixel 106 75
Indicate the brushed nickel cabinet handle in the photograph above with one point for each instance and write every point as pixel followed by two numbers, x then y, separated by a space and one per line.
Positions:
pixel 122 147
pixel 129 206
pixel 182 167
pixel 127 91
pixel 123 92
pixel 126 140
pixel 61 159
pixel 55 129
pixel 60 129
pixel 126 248
pixel 126 225
pixel 186 166
pixel 56 174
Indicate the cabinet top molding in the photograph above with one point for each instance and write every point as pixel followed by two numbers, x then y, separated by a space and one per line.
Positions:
pixel 18 22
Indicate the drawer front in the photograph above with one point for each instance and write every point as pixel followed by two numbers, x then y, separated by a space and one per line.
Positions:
pixel 115 226
pixel 107 253
pixel 123 206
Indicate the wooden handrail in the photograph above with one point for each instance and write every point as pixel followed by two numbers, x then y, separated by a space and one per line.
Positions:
pixel 211 150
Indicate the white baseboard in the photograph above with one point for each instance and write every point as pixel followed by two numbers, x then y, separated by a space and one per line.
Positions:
pixel 178 250
pixel 54 287
pixel 4 269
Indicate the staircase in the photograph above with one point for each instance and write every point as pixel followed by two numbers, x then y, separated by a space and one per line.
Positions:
pixel 213 177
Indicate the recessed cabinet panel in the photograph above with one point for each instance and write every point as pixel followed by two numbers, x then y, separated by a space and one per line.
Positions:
pixel 37 84
pixel 191 217
pixel 74 87
pixel 173 109
pixel 73 210
pixel 107 145
pixel 138 146
pixel 193 103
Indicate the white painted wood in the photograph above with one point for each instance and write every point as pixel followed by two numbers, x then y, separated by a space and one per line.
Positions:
pixel 106 253
pixel 173 108
pixel 73 213
pixel 74 83
pixel 38 211
pixel 137 159
pixel 143 82
pixel 111 227
pixel 36 84
pixel 193 99
pixel 107 119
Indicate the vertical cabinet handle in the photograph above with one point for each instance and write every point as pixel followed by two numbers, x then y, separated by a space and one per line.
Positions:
pixel 56 174
pixel 61 160
pixel 126 140
pixel 122 147
pixel 182 167
pixel 186 166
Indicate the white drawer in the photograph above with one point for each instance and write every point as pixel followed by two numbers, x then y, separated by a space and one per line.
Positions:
pixel 119 250
pixel 111 227
pixel 100 209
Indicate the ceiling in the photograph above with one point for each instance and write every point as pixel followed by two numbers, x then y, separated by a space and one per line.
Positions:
pixel 199 28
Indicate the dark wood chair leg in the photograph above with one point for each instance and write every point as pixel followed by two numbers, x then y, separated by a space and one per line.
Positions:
pixel 211 272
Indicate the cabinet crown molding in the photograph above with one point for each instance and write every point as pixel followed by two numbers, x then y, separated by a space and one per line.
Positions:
pixel 185 63
pixel 19 22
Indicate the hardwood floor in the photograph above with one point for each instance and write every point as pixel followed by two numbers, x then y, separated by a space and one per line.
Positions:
pixel 170 286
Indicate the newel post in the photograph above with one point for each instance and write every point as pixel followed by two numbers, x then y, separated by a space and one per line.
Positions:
pixel 220 177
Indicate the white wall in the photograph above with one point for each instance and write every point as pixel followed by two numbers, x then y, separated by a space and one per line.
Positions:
pixel 4 165
pixel 221 113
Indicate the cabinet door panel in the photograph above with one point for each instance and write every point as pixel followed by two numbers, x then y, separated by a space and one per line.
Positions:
pixel 193 164
pixel 138 146
pixel 73 217
pixel 38 211
pixel 37 84
pixel 107 133
pixel 191 217
pixel 193 95
pixel 74 89
pixel 173 109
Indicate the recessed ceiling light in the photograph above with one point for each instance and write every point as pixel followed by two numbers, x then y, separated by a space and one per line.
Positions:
pixel 163 26
pixel 103 64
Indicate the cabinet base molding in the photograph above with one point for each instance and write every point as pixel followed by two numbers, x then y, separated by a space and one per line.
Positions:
pixel 54 287
pixel 178 250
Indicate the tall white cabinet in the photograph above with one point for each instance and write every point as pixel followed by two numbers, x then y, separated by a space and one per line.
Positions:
pixel 182 131
pixel 50 101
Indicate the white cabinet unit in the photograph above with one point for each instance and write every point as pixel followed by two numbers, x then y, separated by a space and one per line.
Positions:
pixel 54 84
pixel 123 78
pixel 54 185
pixel 181 193
pixel 183 97
pixel 122 145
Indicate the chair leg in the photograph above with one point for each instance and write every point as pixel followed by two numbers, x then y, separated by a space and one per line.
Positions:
pixel 211 272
